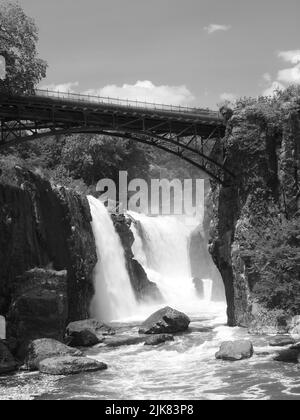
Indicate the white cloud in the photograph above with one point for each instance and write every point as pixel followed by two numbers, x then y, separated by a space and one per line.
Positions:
pixel 285 77
pixel 147 91
pixel 290 76
pixel 213 27
pixel 63 87
pixel 271 90
pixel 292 56
pixel 230 97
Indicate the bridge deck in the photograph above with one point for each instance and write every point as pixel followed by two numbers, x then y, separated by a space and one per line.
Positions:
pixel 68 108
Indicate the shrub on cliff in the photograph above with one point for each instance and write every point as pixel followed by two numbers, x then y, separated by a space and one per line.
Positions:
pixel 275 255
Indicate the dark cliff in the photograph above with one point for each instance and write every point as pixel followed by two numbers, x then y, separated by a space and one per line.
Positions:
pixel 254 223
pixel 143 288
pixel 44 227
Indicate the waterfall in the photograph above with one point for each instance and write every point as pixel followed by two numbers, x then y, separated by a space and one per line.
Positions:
pixel 161 246
pixel 114 297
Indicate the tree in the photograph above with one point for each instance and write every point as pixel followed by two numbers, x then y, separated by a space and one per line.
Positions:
pixel 18 40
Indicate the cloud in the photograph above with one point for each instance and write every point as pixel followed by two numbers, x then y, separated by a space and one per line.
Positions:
pixel 213 27
pixel 271 90
pixel 292 56
pixel 63 87
pixel 290 76
pixel 287 76
pixel 147 91
pixel 230 97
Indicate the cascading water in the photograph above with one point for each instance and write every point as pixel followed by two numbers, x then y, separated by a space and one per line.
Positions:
pixel 161 246
pixel 114 297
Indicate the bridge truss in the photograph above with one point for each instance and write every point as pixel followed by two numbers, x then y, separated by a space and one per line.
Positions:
pixel 191 134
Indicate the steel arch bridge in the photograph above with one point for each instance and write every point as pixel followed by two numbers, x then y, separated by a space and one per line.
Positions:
pixel 192 134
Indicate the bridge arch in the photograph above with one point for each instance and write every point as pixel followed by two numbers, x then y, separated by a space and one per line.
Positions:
pixel 191 134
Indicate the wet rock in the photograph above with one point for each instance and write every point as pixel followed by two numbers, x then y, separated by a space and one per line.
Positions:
pixel 84 338
pixel 39 307
pixel 166 320
pixel 68 365
pixel 7 362
pixel 235 350
pixel 86 333
pixel 142 286
pixel 43 226
pixel 158 339
pixel 296 347
pixel 42 349
pixel 281 341
pixel 288 356
pixel 124 340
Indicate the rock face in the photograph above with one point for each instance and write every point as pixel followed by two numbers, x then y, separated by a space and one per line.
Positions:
pixel 165 321
pixel 243 216
pixel 39 306
pixel 158 339
pixel 7 362
pixel 68 365
pixel 235 350
pixel 142 286
pixel 43 226
pixel 87 333
pixel 42 349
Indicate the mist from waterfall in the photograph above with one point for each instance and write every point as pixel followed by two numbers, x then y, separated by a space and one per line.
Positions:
pixel 161 246
pixel 114 297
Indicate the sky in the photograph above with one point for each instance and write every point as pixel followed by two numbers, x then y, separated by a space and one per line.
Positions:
pixel 184 52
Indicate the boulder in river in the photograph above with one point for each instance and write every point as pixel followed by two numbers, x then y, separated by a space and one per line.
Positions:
pixel 86 333
pixel 123 340
pixel 165 321
pixel 235 350
pixel 70 365
pixel 42 349
pixel 7 362
pixel 282 341
pixel 156 340
pixel 288 356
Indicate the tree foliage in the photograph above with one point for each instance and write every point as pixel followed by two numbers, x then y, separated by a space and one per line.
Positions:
pixel 18 45
pixel 275 258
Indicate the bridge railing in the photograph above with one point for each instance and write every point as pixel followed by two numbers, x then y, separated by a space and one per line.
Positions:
pixel 91 99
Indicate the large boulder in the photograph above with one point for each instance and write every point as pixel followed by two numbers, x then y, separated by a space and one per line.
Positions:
pixel 86 333
pixel 156 340
pixel 282 341
pixel 288 356
pixel 235 350
pixel 7 362
pixel 68 365
pixel 42 349
pixel 165 321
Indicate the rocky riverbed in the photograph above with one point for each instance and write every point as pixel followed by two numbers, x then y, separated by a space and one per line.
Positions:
pixel 185 368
